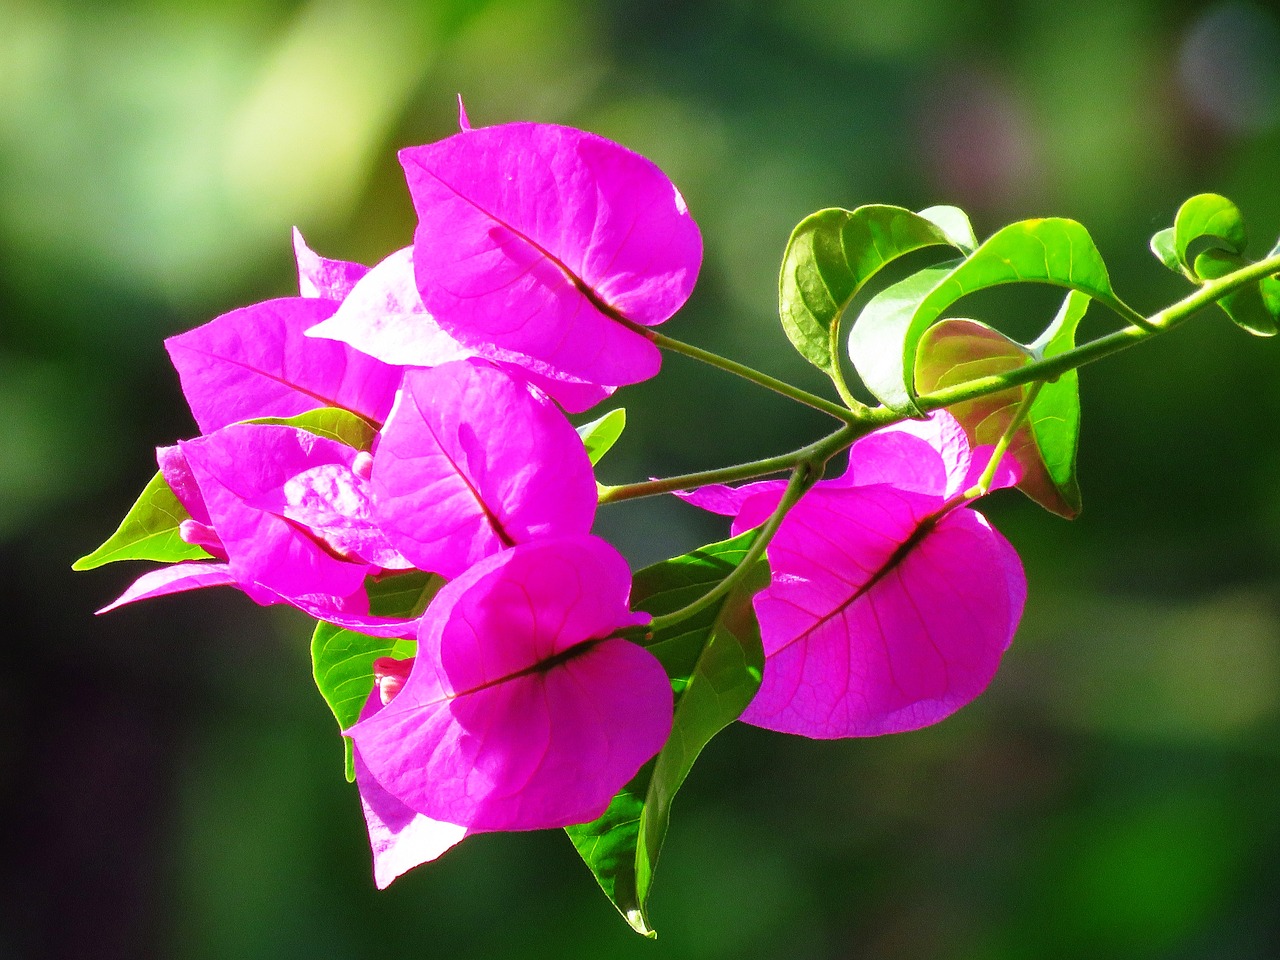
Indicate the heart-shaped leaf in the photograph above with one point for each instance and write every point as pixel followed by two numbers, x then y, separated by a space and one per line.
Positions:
pixel 1208 217
pixel 149 531
pixel 714 661
pixel 956 351
pixel 886 337
pixel 834 252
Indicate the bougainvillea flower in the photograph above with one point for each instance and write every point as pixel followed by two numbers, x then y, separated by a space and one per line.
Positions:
pixel 243 466
pixel 383 316
pixel 240 479
pixel 399 837
pixel 471 461
pixel 890 604
pixel 552 243
pixel 321 277
pixel 256 362
pixel 524 709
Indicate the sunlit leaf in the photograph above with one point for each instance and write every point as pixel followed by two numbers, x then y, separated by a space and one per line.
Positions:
pixel 1210 217
pixel 1245 306
pixel 886 336
pixel 714 660
pixel 955 224
pixel 833 253
pixel 333 423
pixel 149 531
pixel 1271 287
pixel 342 660
pixel 600 435
pixel 955 351
pixel 1055 412
pixel 1162 246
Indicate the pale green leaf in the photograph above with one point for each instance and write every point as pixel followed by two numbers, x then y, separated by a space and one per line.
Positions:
pixel 1246 306
pixel 1210 217
pixel 600 435
pixel 334 423
pixel 149 531
pixel 1162 246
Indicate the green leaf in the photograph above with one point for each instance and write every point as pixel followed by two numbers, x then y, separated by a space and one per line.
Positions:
pixel 599 436
pixel 149 531
pixel 333 423
pixel 714 660
pixel 886 336
pixel 1211 217
pixel 1270 287
pixel 954 222
pixel 1246 306
pixel 956 351
pixel 1162 246
pixel 834 252
pixel 342 660
pixel 1055 412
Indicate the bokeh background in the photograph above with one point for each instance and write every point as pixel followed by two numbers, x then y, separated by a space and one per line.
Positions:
pixel 172 783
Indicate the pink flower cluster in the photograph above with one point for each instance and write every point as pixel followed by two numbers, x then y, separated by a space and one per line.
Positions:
pixel 541 255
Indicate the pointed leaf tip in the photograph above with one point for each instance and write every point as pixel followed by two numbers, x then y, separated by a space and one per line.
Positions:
pixel 600 435
pixel 149 531
pixel 715 661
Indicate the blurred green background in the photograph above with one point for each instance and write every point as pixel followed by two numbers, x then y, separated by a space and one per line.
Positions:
pixel 173 783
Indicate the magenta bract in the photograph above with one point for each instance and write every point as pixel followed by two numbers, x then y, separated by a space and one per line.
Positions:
pixel 175 578
pixel 524 710
pixel 890 607
pixel 537 239
pixel 244 465
pixel 471 461
pixel 321 277
pixel 383 316
pixel 400 838
pixel 256 362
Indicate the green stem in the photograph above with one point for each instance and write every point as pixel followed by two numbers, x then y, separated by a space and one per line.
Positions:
pixel 851 415
pixel 983 486
pixel 818 452
pixel 1040 371
pixel 803 476
pixel 1053 367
